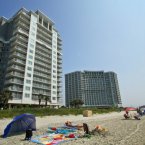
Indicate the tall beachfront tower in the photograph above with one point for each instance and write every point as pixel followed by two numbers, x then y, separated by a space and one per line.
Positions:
pixel 30 58
pixel 95 88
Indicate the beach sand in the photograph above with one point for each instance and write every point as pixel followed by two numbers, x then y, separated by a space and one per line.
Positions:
pixel 121 132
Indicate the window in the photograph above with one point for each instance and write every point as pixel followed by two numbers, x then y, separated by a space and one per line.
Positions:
pixel 54 92
pixel 30 56
pixel 32 40
pixel 27 88
pixel 53 98
pixel 29 68
pixel 28 75
pixel 31 51
pixel 27 95
pixel 33 34
pixel 33 28
pixel 28 81
pixel 31 45
pixel 54 71
pixel 54 46
pixel 54 61
pixel 54 87
pixel 54 66
pixel 54 81
pixel 30 62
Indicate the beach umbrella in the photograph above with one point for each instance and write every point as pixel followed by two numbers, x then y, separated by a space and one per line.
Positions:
pixel 19 124
pixel 130 109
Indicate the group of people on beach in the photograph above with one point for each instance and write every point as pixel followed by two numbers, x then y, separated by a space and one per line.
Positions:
pixel 133 114
pixel 85 128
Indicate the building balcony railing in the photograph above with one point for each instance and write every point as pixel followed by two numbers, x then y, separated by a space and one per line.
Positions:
pixel 19 55
pixel 41 75
pixel 47 61
pixel 16 61
pixel 40 70
pixel 16 74
pixel 45 39
pixel 44 29
pixel 41 87
pixel 43 43
pixel 15 89
pixel 13 67
pixel 14 81
pixel 43 54
pixel 44 33
pixel 44 49
pixel 23 25
pixel 42 64
pixel 41 81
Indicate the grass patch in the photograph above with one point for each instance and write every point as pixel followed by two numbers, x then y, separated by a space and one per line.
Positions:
pixel 48 112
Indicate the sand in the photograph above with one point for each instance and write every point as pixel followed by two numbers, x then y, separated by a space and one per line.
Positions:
pixel 121 132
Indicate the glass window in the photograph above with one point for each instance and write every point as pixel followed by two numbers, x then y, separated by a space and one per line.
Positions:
pixel 27 95
pixel 30 62
pixel 33 28
pixel 53 98
pixel 31 45
pixel 32 40
pixel 29 68
pixel 28 81
pixel 33 34
pixel 30 56
pixel 28 75
pixel 31 51
pixel 27 88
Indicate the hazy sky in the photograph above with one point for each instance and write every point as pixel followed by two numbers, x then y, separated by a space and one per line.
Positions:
pixel 98 35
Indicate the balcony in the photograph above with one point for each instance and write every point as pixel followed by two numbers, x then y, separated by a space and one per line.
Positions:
pixel 16 74
pixel 44 81
pixel 20 43
pixel 19 55
pixel 44 49
pixel 42 64
pixel 23 25
pixel 15 89
pixel 19 49
pixel 47 61
pixel 44 29
pixel 41 87
pixel 41 70
pixel 41 75
pixel 40 31
pixel 41 42
pixel 45 39
pixel 16 67
pixel 43 54
pixel 14 81
pixel 23 31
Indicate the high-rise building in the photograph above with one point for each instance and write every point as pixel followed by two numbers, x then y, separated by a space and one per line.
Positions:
pixel 30 58
pixel 95 88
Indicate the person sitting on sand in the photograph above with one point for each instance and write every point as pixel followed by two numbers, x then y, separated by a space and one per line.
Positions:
pixel 83 126
pixel 126 115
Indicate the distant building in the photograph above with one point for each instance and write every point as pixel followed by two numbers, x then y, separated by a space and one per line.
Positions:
pixel 30 58
pixel 95 88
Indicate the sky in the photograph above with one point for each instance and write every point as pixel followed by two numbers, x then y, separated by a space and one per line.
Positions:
pixel 106 35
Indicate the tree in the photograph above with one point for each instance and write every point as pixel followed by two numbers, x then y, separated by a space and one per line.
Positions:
pixel 46 98
pixel 5 96
pixel 40 97
pixel 76 103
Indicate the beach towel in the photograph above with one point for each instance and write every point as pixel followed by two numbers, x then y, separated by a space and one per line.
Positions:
pixel 51 139
pixel 56 135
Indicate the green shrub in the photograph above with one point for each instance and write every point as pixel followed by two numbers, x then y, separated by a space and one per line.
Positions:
pixel 47 111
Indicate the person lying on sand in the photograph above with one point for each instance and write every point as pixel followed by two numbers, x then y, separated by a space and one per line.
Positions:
pixel 81 127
